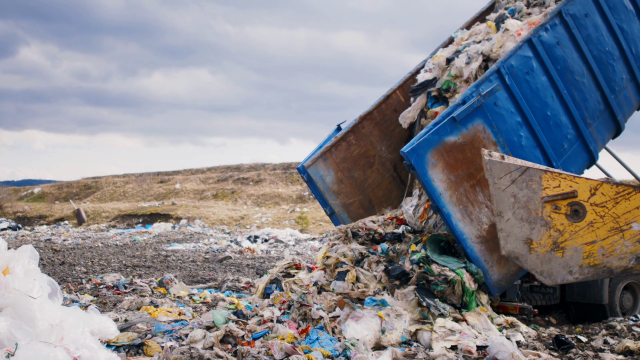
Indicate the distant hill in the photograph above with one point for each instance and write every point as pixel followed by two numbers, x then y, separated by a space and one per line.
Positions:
pixel 26 182
pixel 262 195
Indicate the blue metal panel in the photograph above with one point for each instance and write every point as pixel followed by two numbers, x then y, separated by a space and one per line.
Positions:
pixel 315 189
pixel 566 91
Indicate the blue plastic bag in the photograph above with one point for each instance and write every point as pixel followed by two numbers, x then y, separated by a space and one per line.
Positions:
pixel 436 101
pixel 270 289
pixel 121 285
pixel 168 329
pixel 370 302
pixel 318 338
pixel 259 334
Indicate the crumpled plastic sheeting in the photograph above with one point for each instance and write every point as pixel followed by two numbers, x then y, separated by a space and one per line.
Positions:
pixel 627 345
pixel 33 319
pixel 318 338
pixel 503 349
pixel 413 208
pixel 410 115
pixel 417 212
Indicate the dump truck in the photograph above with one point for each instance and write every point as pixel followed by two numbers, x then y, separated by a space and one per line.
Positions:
pixel 554 101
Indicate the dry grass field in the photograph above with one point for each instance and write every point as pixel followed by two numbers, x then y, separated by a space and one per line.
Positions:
pixel 265 195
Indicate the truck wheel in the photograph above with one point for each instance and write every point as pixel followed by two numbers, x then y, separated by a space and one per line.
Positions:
pixel 535 299
pixel 624 296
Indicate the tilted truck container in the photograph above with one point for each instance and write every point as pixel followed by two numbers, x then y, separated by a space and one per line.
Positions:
pixel 556 100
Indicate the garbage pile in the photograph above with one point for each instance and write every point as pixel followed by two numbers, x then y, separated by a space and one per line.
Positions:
pixel 75 256
pixel 381 290
pixel 263 241
pixel 218 238
pixel 8 224
pixel 376 289
pixel 452 70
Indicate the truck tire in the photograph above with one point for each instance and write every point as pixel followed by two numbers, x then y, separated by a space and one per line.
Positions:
pixel 624 296
pixel 537 299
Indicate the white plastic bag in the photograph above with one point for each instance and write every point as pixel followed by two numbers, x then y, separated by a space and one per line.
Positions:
pixel 424 338
pixel 32 317
pixel 364 326
pixel 503 349
pixel 396 325
pixel 412 208
pixel 410 115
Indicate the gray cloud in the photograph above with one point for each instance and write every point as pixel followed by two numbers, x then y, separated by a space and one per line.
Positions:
pixel 191 69
pixel 195 69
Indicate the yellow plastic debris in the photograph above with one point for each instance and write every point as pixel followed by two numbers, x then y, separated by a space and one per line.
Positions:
pixel 290 338
pixel 161 290
pixel 381 315
pixel 123 339
pixel 492 26
pixel 321 254
pixel 351 276
pixel 171 313
pixel 239 305
pixel 151 348
pixel 5 272
pixel 413 247
pixel 304 348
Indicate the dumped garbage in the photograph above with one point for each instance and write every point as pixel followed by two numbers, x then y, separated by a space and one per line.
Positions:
pixel 452 70
pixel 379 284
pixel 8 224
pixel 377 288
pixel 562 343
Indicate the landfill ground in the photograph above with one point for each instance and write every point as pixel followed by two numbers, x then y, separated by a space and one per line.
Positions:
pixel 73 256
pixel 74 265
pixel 81 258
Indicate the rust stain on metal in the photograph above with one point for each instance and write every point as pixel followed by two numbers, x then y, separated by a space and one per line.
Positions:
pixel 368 169
pixel 460 162
pixel 462 183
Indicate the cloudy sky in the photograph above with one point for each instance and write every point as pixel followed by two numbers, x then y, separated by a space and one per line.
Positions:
pixel 107 86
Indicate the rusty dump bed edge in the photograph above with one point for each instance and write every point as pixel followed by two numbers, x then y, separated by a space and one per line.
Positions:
pixel 358 171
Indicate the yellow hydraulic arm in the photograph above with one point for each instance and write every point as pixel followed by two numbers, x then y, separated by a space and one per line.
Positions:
pixel 561 227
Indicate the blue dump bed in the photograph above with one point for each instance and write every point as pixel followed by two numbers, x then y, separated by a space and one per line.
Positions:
pixel 556 99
